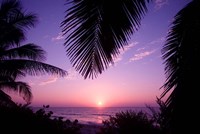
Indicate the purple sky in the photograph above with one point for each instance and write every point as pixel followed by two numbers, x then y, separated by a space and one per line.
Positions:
pixel 135 78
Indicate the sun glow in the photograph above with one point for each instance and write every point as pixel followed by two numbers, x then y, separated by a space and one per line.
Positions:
pixel 99 103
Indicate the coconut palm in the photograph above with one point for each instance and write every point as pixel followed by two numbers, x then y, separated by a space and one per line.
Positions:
pixel 14 22
pixel 18 60
pixel 181 54
pixel 96 30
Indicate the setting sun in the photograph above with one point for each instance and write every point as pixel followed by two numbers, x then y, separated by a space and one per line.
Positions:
pixel 100 103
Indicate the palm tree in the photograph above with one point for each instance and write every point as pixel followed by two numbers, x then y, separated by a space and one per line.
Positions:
pixel 18 60
pixel 22 88
pixel 14 22
pixel 182 67
pixel 97 29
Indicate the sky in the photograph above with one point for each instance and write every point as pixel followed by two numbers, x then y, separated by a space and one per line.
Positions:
pixel 135 78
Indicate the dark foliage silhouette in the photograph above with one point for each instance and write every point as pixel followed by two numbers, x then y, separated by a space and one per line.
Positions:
pixel 18 60
pixel 97 29
pixel 93 40
pixel 158 116
pixel 182 68
pixel 129 122
pixel 22 120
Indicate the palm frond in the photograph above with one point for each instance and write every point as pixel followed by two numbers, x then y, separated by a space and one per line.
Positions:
pixel 16 60
pixel 9 7
pixel 181 50
pixel 6 100
pixel 28 51
pixel 14 22
pixel 182 67
pixel 6 78
pixel 23 21
pixel 4 96
pixel 21 67
pixel 96 30
pixel 10 35
pixel 21 88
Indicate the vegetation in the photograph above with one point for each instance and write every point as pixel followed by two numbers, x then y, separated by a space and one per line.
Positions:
pixel 159 116
pixel 22 120
pixel 130 122
pixel 182 68
pixel 97 35
pixel 98 32
pixel 18 60
pixel 138 122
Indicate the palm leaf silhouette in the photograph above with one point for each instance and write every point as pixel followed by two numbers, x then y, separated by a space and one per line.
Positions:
pixel 96 30
pixel 181 59
pixel 14 22
pixel 22 88
pixel 28 51
pixel 18 60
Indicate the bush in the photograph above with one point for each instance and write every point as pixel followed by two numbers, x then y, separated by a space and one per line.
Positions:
pixel 129 122
pixel 160 116
pixel 22 120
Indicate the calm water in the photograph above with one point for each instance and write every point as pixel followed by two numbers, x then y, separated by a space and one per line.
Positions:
pixel 90 115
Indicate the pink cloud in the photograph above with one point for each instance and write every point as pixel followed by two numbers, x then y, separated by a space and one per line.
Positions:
pixel 141 55
pixel 123 50
pixel 59 37
pixel 48 81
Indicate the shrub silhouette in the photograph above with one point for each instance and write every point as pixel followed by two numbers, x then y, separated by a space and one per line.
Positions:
pixel 160 116
pixel 22 120
pixel 129 122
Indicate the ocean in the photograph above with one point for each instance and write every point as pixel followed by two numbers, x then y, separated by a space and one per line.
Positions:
pixel 90 115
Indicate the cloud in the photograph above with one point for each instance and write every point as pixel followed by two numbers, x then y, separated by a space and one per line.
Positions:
pixel 59 37
pixel 72 74
pixel 152 44
pixel 140 49
pixel 160 3
pixel 48 81
pixel 141 55
pixel 158 41
pixel 148 49
pixel 123 50
pixel 126 48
